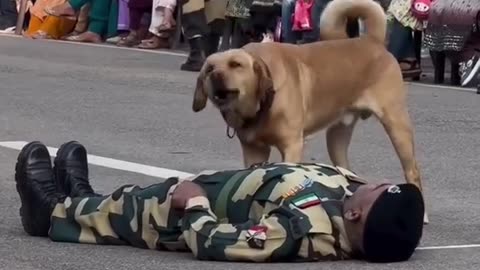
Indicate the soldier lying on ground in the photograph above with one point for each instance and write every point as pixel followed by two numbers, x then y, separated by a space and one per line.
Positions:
pixel 270 212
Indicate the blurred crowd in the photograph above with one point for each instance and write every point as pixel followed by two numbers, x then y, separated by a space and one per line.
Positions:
pixel 451 27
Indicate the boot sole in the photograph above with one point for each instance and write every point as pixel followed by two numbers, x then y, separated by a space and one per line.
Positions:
pixel 59 175
pixel 26 209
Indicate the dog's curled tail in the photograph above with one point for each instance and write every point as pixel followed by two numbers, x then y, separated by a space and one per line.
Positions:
pixel 334 19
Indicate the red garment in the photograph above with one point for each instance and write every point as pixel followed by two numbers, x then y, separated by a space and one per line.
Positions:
pixel 302 19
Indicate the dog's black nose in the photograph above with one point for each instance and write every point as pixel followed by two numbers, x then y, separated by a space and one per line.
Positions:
pixel 217 80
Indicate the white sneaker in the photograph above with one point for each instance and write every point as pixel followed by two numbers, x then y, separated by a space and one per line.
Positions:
pixel 469 70
pixel 268 37
pixel 9 30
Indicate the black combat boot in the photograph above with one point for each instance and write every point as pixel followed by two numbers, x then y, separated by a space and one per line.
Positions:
pixel 71 170
pixel 37 188
pixel 197 55
pixel 211 44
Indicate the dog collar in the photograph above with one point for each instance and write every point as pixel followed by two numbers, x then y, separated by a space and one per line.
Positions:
pixel 261 115
pixel 259 118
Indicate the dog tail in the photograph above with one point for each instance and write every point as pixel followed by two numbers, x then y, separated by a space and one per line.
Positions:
pixel 334 19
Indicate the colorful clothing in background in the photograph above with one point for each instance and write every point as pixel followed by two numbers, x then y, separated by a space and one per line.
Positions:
pixel 123 15
pixel 401 11
pixel 42 24
pixel 451 23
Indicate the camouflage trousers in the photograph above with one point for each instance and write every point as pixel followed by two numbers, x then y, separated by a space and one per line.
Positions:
pixel 203 17
pixel 140 217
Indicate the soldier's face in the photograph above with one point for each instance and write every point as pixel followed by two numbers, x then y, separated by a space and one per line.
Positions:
pixel 356 209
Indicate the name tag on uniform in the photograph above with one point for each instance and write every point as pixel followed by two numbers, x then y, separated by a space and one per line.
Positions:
pixel 307 182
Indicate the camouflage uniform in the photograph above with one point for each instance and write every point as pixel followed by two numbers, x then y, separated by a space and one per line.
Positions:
pixel 273 212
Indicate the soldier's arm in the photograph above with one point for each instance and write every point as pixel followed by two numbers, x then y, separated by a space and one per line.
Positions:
pixel 276 236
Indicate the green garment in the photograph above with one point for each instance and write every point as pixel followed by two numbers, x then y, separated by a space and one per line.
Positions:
pixel 103 16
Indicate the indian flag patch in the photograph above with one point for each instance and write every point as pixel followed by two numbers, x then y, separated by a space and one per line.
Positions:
pixel 256 237
pixel 306 201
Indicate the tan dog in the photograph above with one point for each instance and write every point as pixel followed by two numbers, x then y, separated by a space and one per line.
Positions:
pixel 275 94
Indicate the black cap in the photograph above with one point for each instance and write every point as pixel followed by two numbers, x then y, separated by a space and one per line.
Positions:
pixel 394 225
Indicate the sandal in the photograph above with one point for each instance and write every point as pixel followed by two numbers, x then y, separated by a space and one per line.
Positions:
pixel 128 41
pixel 84 37
pixel 413 70
pixel 154 43
pixel 41 35
pixel 73 33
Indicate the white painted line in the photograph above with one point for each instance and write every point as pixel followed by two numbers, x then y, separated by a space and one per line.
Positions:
pixel 447 87
pixel 449 247
pixel 112 163
pixel 103 45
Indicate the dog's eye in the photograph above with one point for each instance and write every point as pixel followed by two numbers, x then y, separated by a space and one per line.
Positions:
pixel 234 64
pixel 209 69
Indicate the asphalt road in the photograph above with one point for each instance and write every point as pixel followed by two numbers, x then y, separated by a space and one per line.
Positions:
pixel 136 106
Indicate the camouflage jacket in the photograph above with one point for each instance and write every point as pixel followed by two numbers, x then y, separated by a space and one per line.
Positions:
pixel 274 212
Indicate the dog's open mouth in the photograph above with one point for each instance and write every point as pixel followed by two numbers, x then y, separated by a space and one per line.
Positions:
pixel 225 96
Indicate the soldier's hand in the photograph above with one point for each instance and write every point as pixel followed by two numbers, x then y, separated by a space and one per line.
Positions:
pixel 183 192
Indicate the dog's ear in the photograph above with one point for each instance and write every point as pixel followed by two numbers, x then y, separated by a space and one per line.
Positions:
pixel 265 82
pixel 200 96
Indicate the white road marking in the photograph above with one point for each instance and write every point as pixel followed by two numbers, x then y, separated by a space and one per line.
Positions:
pixel 112 163
pixel 449 247
pixel 162 173
pixel 447 87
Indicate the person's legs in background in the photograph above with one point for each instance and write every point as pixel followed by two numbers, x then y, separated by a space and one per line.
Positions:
pixel 202 32
pixel 215 17
pixel 8 14
pixel 167 7
pixel 98 20
pixel 44 26
pixel 54 28
pixel 288 35
pixel 82 20
pixel 402 46
pixel 123 16
pixel 98 26
pixel 240 37
pixel 237 26
pixel 195 28
pixel 161 25
pixel 33 26
pixel 136 9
